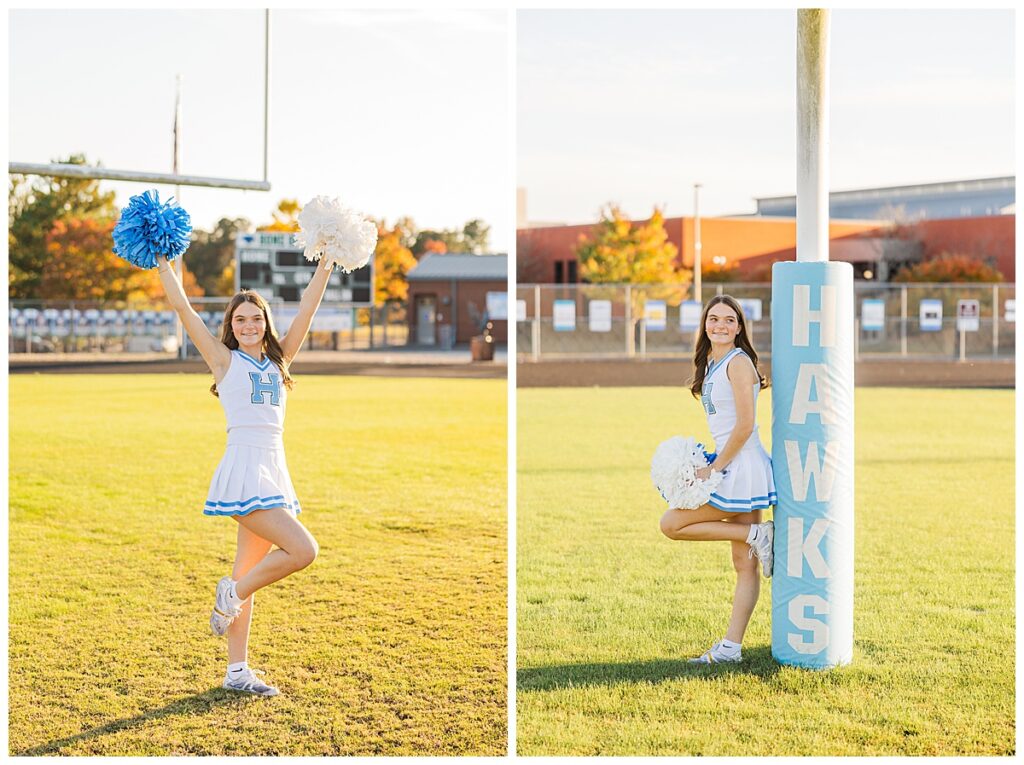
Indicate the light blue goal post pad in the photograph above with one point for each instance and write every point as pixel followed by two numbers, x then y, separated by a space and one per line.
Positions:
pixel 812 459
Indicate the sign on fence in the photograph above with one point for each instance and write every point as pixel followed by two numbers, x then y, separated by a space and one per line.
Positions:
pixel 968 313
pixel 520 310
pixel 655 315
pixel 872 314
pixel 751 308
pixel 1010 310
pixel 564 315
pixel 931 315
pixel 689 315
pixel 600 315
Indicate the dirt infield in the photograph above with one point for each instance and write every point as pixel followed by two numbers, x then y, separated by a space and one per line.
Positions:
pixel 868 373
pixel 929 374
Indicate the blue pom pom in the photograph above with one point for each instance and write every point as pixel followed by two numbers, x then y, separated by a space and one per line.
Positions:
pixel 149 228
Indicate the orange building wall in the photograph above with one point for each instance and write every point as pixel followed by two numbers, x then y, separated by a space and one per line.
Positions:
pixel 752 243
pixel 738 239
pixel 992 238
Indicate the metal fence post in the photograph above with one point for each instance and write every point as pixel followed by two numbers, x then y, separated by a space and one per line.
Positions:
pixel 995 319
pixel 536 322
pixel 903 320
pixel 630 347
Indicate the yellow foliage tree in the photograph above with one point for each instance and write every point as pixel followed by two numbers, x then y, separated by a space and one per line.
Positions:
pixel 286 216
pixel 623 252
pixel 392 260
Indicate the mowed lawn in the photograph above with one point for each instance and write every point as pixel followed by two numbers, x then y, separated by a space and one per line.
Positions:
pixel 394 642
pixel 609 609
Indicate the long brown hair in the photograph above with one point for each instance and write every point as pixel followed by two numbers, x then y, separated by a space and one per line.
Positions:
pixel 271 344
pixel 703 345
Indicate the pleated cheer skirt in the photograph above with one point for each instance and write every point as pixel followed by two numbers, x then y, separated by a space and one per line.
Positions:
pixel 747 483
pixel 251 478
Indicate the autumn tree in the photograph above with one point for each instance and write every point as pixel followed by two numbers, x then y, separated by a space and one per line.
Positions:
pixel 33 207
pixel 620 251
pixel 392 260
pixel 949 267
pixel 80 265
pixel 286 216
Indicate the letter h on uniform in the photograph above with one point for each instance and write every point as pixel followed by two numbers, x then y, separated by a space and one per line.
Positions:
pixel 271 386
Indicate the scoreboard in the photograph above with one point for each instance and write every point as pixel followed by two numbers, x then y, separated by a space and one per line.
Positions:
pixel 271 264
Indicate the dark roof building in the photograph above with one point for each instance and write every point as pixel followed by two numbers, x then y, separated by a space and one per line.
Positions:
pixel 451 295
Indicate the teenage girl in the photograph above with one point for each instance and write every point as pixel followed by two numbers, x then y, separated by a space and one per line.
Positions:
pixel 251 484
pixel 726 380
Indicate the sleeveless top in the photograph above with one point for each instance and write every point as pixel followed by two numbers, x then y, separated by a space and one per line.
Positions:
pixel 254 397
pixel 720 404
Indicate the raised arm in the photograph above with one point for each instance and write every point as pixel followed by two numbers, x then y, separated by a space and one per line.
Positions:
pixel 291 343
pixel 214 352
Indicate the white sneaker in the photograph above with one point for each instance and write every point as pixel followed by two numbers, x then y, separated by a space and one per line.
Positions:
pixel 762 547
pixel 247 682
pixel 719 654
pixel 223 612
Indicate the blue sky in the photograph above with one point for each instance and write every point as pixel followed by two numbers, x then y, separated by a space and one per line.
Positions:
pixel 637 106
pixel 395 112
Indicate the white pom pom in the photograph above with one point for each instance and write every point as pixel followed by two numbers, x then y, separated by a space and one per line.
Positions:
pixel 673 471
pixel 336 233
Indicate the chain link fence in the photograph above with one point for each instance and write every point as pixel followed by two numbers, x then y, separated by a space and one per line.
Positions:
pixel 659 321
pixel 150 327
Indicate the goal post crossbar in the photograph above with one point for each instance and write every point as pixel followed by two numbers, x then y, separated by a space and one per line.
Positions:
pixel 134 176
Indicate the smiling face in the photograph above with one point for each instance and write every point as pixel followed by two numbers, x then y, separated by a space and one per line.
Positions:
pixel 722 325
pixel 249 326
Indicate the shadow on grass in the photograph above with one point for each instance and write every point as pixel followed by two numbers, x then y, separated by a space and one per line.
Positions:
pixel 757 662
pixel 190 705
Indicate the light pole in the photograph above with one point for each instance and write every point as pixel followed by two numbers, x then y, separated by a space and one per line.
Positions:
pixel 696 243
pixel 179 265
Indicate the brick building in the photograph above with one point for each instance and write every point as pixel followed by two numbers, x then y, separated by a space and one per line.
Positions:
pixel 752 244
pixel 450 294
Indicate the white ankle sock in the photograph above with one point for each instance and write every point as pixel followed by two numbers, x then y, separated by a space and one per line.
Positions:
pixel 730 646
pixel 237 667
pixel 752 534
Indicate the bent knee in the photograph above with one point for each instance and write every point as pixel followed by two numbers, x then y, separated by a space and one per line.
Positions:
pixel 670 526
pixel 742 560
pixel 306 554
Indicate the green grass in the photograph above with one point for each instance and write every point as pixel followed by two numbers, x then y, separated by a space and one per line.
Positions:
pixel 609 609
pixel 394 642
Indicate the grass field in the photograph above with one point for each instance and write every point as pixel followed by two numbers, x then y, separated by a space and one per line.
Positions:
pixel 609 609
pixel 394 642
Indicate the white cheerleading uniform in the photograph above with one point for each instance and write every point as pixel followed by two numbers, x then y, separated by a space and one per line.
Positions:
pixel 747 481
pixel 253 474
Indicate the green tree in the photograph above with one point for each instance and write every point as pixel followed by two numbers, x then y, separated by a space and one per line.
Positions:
pixel 474 237
pixel 33 207
pixel 212 252
pixel 620 251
